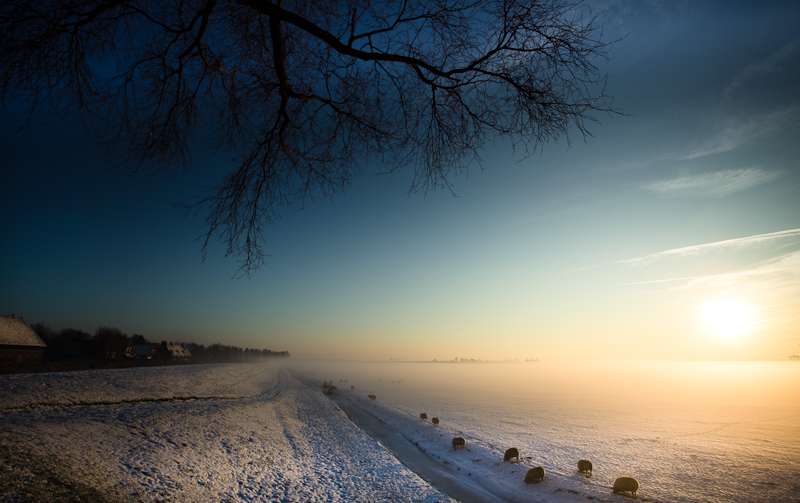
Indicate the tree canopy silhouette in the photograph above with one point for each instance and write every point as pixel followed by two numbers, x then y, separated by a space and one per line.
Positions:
pixel 306 93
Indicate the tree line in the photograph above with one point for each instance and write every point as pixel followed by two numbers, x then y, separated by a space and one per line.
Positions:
pixel 110 344
pixel 223 353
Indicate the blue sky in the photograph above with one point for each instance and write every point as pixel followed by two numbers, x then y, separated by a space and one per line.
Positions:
pixel 618 247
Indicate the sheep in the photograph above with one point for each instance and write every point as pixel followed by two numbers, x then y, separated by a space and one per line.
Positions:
pixel 584 465
pixel 435 421
pixel 626 485
pixel 534 475
pixel 511 454
pixel 423 416
pixel 459 442
pixel 372 397
pixel 330 390
pixel 352 387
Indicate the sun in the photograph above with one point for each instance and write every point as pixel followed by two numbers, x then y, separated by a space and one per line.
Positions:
pixel 728 318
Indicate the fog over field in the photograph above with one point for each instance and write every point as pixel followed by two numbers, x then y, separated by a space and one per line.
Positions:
pixel 684 430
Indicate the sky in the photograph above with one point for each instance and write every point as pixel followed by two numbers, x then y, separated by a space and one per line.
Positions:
pixel 673 233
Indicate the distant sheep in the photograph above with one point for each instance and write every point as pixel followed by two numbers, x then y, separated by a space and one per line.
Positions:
pixel 372 397
pixel 330 390
pixel 459 443
pixel 435 421
pixel 584 465
pixel 352 387
pixel 626 485
pixel 534 475
pixel 511 454
pixel 423 416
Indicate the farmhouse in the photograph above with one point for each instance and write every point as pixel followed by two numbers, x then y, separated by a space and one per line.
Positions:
pixel 142 351
pixel 21 347
pixel 174 352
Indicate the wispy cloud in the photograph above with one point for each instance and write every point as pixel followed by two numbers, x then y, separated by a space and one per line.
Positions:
pixel 735 132
pixel 688 278
pixel 773 286
pixel 731 133
pixel 695 250
pixel 784 269
pixel 764 68
pixel 755 104
pixel 715 184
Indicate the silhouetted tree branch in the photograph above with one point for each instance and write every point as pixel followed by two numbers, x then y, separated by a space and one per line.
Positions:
pixel 306 93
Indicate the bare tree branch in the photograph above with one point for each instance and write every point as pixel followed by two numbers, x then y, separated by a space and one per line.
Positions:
pixel 306 93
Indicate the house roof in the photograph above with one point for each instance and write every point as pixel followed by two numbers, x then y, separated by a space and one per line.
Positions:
pixel 15 331
pixel 177 349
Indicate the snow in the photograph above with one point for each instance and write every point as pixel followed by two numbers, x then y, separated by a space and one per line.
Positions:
pixel 693 432
pixel 239 432
pixel 479 467
pixel 705 432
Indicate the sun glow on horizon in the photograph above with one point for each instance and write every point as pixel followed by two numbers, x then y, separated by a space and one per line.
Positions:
pixel 728 318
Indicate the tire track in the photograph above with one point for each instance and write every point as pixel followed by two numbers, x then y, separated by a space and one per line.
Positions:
pixel 124 401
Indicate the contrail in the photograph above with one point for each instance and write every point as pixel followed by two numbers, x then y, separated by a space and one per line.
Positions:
pixel 700 277
pixel 694 250
pixel 708 247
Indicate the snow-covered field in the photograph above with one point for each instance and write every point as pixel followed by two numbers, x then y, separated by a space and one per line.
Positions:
pixel 706 432
pixel 695 432
pixel 240 432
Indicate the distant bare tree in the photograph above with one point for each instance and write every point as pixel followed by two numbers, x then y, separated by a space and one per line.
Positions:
pixel 111 341
pixel 66 344
pixel 307 93
pixel 46 333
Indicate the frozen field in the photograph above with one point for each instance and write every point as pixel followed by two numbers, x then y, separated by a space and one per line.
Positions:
pixel 688 431
pixel 242 432
pixel 696 432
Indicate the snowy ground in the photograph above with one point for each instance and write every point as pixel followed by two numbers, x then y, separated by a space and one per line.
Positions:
pixel 242 432
pixel 253 432
pixel 475 474
pixel 695 432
